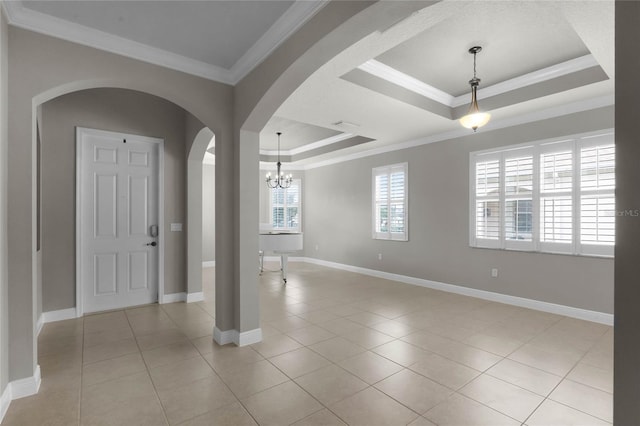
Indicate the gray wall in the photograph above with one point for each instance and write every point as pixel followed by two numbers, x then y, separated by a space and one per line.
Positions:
pixel 208 212
pixel 114 110
pixel 338 220
pixel 4 311
pixel 626 410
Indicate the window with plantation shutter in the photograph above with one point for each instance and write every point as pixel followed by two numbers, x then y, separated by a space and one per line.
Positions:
pixel 597 199
pixel 556 197
pixel 285 207
pixel 488 209
pixel 390 202
pixel 549 196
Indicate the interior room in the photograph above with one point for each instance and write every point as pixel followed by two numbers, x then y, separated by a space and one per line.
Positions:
pixel 318 212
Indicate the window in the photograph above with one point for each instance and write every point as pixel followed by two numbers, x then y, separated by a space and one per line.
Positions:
pixel 285 207
pixel 390 202
pixel 549 196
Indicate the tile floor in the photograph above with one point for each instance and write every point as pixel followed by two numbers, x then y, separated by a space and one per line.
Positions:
pixel 339 348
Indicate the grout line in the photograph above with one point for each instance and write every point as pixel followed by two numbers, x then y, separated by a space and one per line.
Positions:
pixel 148 371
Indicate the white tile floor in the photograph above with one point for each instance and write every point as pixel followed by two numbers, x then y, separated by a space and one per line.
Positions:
pixel 338 348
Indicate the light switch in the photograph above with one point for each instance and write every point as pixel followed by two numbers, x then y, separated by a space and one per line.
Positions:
pixel 176 227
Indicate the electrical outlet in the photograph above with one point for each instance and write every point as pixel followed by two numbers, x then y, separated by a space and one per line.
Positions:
pixel 494 272
pixel 379 256
pixel 316 247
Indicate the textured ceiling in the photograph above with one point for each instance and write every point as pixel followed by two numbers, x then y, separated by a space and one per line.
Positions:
pixel 516 37
pixel 215 32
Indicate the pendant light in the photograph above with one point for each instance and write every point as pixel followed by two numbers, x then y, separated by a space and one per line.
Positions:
pixel 280 181
pixel 474 118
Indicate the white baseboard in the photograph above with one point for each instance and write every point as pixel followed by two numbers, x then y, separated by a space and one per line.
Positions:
pixel 5 400
pixel 182 297
pixel 53 316
pixel 27 386
pixel 195 297
pixel 61 315
pixel 174 297
pixel 569 311
pixel 223 337
pixel 249 337
pixel 239 339
pixel 209 264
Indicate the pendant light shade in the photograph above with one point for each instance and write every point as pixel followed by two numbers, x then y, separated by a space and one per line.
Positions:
pixel 474 118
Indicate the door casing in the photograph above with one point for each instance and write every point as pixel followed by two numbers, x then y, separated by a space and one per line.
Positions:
pixel 80 132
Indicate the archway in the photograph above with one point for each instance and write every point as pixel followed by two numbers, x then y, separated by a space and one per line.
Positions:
pixel 336 27
pixel 194 213
pixel 208 101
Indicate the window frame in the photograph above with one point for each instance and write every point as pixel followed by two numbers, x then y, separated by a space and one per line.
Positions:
pixel 576 143
pixel 388 170
pixel 285 207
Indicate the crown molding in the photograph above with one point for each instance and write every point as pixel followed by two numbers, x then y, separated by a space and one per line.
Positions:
pixel 405 81
pixel 554 71
pixel 293 18
pixel 310 146
pixel 42 23
pixel 401 79
pixel 572 108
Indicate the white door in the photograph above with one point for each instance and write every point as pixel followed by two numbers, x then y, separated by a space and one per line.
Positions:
pixel 118 219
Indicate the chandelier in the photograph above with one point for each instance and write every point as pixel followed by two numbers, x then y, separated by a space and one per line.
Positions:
pixel 474 118
pixel 280 180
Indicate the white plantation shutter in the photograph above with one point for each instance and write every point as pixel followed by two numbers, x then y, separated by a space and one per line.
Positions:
pixel 556 197
pixel 597 199
pixel 285 207
pixel 549 196
pixel 390 202
pixel 488 209
pixel 518 194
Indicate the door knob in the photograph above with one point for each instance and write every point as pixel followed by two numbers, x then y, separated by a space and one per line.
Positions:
pixel 152 244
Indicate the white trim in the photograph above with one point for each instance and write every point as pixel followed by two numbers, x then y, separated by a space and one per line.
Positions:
pixel 27 386
pixel 290 21
pixel 42 23
pixel 5 400
pixel 174 297
pixel 403 80
pixel 19 389
pixel 209 264
pixel 60 315
pixel 223 337
pixel 80 131
pixel 310 146
pixel 239 339
pixel 553 112
pixel 539 76
pixel 195 297
pixel 388 170
pixel 249 337
pixel 569 311
pixel 53 316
